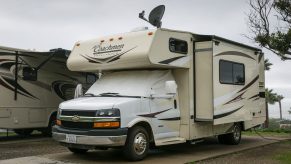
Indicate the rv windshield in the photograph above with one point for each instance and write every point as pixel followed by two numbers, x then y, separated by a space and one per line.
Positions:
pixel 128 83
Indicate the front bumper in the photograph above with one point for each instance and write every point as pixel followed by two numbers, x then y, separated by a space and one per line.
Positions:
pixel 95 137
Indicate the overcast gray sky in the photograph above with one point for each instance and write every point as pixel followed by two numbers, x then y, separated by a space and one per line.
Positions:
pixel 47 24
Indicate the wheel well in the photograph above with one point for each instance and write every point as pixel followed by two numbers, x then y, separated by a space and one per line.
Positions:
pixel 148 128
pixel 241 124
pixel 53 114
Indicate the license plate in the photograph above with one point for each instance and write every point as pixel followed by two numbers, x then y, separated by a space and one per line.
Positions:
pixel 71 138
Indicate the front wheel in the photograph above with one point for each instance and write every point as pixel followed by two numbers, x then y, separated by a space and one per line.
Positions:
pixel 137 144
pixel 78 151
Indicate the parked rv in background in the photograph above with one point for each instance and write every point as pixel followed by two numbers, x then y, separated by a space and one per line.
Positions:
pixel 32 84
pixel 162 87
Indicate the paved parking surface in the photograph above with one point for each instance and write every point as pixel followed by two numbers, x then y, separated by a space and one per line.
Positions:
pixel 182 153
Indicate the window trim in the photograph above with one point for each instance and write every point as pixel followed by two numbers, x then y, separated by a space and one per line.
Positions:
pixel 185 53
pixel 232 62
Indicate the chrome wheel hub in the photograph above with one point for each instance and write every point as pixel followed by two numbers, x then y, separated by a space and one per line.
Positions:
pixel 139 143
pixel 236 133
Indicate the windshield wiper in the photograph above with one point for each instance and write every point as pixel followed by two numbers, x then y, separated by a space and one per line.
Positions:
pixel 109 94
pixel 89 94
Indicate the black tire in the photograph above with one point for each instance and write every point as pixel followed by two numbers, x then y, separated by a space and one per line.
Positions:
pixel 233 138
pixel 78 151
pixel 221 139
pixel 137 144
pixel 48 131
pixel 23 132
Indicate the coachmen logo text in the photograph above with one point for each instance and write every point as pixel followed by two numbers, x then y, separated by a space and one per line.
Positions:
pixel 98 49
pixel 106 54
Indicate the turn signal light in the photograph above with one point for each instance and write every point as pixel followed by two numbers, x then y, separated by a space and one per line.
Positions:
pixel 106 124
pixel 59 122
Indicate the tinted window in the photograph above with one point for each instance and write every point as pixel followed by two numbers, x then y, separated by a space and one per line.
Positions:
pixel 231 73
pixel 225 72
pixel 238 74
pixel 178 46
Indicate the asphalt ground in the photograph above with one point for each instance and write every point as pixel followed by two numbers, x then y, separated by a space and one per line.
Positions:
pixel 47 151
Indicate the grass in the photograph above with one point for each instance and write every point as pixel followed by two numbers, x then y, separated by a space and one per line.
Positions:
pixel 267 133
pixel 284 157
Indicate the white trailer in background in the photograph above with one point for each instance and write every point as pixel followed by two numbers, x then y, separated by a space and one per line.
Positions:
pixel 32 84
pixel 162 87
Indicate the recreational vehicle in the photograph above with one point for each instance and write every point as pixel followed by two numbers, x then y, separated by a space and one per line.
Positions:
pixel 32 85
pixel 161 87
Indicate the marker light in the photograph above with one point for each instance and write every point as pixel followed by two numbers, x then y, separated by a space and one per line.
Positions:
pixel 59 122
pixel 120 38
pixel 150 33
pixel 106 124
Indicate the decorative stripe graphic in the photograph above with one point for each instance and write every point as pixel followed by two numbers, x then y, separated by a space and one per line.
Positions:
pixel 7 79
pixel 236 53
pixel 249 84
pixel 237 98
pixel 170 119
pixel 64 89
pixel 254 96
pixel 153 115
pixel 226 114
pixel 105 60
pixel 167 61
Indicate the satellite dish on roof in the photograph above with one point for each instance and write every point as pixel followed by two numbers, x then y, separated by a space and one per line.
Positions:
pixel 155 16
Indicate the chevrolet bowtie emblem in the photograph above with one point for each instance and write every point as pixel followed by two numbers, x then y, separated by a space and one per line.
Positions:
pixel 75 118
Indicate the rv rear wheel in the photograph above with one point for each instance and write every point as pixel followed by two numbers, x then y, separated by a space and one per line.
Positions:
pixel 137 144
pixel 231 138
pixel 78 151
pixel 23 132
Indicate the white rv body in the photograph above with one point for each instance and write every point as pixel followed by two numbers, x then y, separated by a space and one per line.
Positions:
pixel 31 104
pixel 138 66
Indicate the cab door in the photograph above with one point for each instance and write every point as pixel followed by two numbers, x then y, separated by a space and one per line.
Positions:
pixel 165 117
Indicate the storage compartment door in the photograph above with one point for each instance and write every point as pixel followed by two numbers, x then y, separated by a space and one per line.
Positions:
pixel 203 81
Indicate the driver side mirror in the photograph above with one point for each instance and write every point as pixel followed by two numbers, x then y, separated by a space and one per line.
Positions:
pixel 78 91
pixel 171 87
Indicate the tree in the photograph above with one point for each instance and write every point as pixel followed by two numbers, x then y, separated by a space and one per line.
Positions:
pixel 267 65
pixel 276 37
pixel 279 98
pixel 271 98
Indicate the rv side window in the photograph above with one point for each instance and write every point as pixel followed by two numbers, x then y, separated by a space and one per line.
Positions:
pixel 178 46
pixel 231 73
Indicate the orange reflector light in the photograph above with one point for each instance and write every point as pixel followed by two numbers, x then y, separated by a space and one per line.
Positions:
pixel 102 41
pixel 106 124
pixel 120 38
pixel 111 39
pixel 78 44
pixel 59 122
pixel 150 33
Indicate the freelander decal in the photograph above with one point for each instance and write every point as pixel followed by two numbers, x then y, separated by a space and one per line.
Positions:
pixel 106 54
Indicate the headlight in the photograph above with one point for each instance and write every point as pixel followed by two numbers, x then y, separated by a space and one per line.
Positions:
pixel 59 112
pixel 108 113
